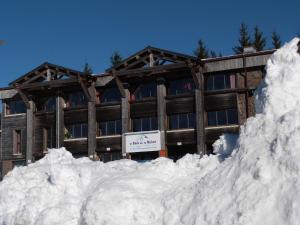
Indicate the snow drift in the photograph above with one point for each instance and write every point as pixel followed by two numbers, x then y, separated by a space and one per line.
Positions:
pixel 253 180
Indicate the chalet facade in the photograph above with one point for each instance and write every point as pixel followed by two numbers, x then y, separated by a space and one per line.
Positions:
pixel 154 103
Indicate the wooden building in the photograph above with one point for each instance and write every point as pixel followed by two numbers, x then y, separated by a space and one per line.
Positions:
pixel 154 103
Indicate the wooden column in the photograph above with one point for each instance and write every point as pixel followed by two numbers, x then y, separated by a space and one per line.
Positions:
pixel 92 123
pixel 125 118
pixel 29 131
pixel 199 103
pixel 59 121
pixel 162 116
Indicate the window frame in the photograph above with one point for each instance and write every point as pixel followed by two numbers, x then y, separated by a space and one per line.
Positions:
pixel 226 75
pixel 68 100
pixel 102 92
pixel 153 123
pixel 188 116
pixel 180 81
pixel 217 124
pixel 17 142
pixel 72 132
pixel 7 108
pixel 135 95
pixel 117 130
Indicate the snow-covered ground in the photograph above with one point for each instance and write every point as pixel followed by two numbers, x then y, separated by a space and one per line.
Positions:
pixel 252 181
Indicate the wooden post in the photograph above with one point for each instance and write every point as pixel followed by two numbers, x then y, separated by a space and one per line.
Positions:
pixel 92 122
pixel 60 127
pixel 30 131
pixel 199 102
pixel 162 116
pixel 125 119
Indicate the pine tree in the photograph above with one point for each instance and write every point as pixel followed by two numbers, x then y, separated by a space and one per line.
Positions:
pixel 276 40
pixel 87 70
pixel 244 39
pixel 213 54
pixel 259 42
pixel 115 59
pixel 201 52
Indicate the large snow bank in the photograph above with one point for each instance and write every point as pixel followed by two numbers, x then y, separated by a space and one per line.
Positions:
pixel 253 180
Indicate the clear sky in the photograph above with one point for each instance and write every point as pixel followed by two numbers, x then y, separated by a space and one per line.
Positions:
pixel 72 32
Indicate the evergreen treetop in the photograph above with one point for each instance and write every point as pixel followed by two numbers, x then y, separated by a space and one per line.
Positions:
pixel 201 52
pixel 276 40
pixel 259 42
pixel 244 39
pixel 87 70
pixel 115 59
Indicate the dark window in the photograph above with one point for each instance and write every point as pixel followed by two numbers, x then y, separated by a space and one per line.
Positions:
pixel 179 121
pixel 17 148
pixel 110 95
pixel 110 127
pixel 145 91
pixel 145 124
pixel 15 107
pixel 222 117
pixel 76 99
pixel 78 130
pixel 220 81
pixel 46 104
pixel 181 86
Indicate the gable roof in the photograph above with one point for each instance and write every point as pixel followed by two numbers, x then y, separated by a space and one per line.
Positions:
pixel 151 56
pixel 39 73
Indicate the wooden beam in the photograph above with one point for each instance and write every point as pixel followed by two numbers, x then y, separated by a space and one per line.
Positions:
pixel 119 85
pixel 125 119
pixel 92 123
pixel 84 88
pixel 29 132
pixel 23 96
pixel 60 126
pixel 162 115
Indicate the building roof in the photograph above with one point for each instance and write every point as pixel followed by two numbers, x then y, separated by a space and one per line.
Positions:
pixel 151 56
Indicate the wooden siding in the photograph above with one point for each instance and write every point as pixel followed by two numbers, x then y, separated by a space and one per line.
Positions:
pixel 114 143
pixel 42 120
pixel 76 146
pixel 9 124
pixel 143 108
pixel 79 115
pixel 185 137
pixel 220 101
pixel 212 134
pixel 180 104
pixel 108 112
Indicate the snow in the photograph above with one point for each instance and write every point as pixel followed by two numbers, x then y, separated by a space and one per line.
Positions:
pixel 253 179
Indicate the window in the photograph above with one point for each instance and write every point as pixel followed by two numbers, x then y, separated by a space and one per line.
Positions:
pixel 15 107
pixel 179 121
pixel 112 127
pixel 17 142
pixel 76 99
pixel 181 86
pixel 47 138
pixel 110 95
pixel 145 124
pixel 47 104
pixel 222 117
pixel 220 81
pixel 79 130
pixel 145 91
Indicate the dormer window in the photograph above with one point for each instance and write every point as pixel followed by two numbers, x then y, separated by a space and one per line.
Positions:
pixel 110 95
pixel 144 91
pixel 181 86
pixel 15 107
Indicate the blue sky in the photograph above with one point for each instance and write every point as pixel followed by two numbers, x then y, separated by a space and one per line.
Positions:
pixel 72 32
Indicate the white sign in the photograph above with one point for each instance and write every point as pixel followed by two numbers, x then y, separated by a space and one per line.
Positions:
pixel 147 141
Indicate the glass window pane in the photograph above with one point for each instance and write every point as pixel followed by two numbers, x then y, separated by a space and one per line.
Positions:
pixel 232 116
pixel 110 95
pixel 221 116
pixel 146 124
pixel 181 86
pixel 219 81
pixel 211 118
pixel 116 156
pixel 137 125
pixel 118 127
pixel 77 131
pixel 110 127
pixel 173 124
pixel 210 83
pixel 183 121
pixel 192 120
pixel 154 123
pixel 84 128
pixel 103 128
